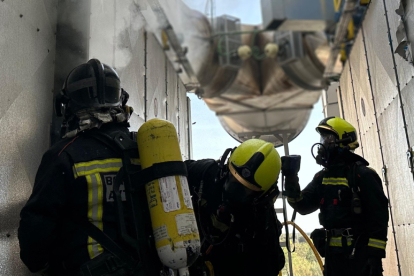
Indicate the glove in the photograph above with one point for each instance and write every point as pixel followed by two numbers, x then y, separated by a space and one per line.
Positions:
pixel 373 267
pixel 292 188
pixel 290 165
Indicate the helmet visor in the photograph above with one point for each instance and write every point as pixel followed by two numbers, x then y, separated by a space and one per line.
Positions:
pixel 112 94
pixel 328 140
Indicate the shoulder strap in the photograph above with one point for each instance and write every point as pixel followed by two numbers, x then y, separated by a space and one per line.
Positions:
pixel 123 144
pixel 119 142
pixel 353 183
pixel 159 170
pixel 106 242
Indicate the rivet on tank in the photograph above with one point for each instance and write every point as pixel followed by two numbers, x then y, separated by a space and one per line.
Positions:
pixel 173 221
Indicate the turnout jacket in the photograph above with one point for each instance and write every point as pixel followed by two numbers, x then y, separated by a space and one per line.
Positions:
pixel 246 239
pixel 74 182
pixel 331 192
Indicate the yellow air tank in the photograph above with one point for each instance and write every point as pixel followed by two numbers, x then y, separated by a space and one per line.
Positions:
pixel 172 216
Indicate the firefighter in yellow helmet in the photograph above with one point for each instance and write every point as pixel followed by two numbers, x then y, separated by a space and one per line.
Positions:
pixel 352 204
pixel 233 204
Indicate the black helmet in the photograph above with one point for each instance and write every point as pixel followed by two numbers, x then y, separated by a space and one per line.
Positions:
pixel 90 85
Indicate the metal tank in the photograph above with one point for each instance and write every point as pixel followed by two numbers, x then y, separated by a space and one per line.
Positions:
pixel 268 94
pixel 272 96
pixel 261 96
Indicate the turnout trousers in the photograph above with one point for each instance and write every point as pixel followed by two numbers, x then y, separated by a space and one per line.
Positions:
pixel 342 265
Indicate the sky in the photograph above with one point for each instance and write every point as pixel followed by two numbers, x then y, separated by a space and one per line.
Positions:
pixel 210 139
pixel 247 10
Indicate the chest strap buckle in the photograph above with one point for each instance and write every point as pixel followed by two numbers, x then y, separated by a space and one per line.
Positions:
pixel 347 233
pixel 344 232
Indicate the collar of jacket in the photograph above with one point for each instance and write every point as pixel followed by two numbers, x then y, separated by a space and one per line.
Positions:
pixel 347 158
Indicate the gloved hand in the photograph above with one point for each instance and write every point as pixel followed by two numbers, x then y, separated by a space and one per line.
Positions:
pixel 373 267
pixel 290 165
pixel 292 188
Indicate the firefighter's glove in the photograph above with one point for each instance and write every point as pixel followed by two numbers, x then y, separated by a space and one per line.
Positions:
pixel 374 267
pixel 290 165
pixel 292 188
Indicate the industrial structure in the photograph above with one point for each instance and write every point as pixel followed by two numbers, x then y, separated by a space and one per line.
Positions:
pixel 261 81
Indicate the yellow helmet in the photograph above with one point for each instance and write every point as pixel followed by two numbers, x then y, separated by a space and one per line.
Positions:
pixel 344 131
pixel 255 164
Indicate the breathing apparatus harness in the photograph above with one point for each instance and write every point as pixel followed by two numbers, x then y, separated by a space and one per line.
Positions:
pixel 221 176
pixel 141 241
pixel 324 158
pixel 122 144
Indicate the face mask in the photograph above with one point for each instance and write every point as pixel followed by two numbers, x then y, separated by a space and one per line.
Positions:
pixel 326 149
pixel 236 193
pixel 322 155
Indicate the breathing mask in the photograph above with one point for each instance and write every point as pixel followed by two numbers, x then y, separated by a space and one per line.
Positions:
pixel 327 149
pixel 236 193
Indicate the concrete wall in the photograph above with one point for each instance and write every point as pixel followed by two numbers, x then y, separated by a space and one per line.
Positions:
pixel 27 53
pixel 376 96
pixel 118 38
pixel 28 78
pixel 72 46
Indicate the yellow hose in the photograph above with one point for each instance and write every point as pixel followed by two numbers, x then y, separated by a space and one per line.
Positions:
pixel 318 257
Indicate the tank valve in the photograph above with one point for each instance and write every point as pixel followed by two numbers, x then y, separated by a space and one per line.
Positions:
pixel 244 52
pixel 271 50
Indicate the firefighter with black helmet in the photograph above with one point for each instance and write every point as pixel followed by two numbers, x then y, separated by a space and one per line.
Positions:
pixel 349 194
pixel 73 196
pixel 233 204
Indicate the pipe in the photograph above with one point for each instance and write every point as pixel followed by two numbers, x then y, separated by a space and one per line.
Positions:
pixel 286 145
pixel 315 252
